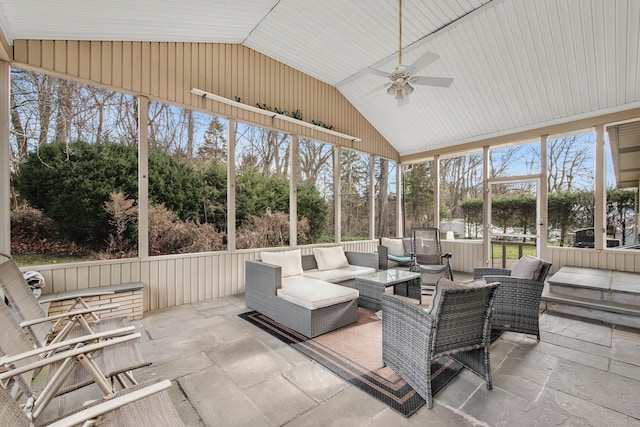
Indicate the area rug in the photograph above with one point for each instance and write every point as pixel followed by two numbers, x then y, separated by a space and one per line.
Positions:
pixel 354 353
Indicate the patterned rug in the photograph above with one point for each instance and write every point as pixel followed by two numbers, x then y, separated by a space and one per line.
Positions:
pixel 354 352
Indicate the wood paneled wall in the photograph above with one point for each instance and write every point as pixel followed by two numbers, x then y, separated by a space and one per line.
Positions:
pixel 168 71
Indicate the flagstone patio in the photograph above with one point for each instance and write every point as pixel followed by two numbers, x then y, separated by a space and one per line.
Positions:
pixel 227 372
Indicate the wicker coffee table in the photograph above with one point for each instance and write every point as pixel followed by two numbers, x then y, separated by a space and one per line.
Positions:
pixel 372 286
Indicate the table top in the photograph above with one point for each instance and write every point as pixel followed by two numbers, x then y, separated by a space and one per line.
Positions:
pixel 389 277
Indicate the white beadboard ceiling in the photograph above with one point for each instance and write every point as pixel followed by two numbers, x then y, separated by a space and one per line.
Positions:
pixel 517 64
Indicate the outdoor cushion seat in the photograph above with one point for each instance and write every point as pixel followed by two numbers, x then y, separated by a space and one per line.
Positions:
pixel 339 274
pixel 400 259
pixel 314 293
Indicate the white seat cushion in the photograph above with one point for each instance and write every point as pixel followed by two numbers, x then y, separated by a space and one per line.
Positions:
pixel 338 275
pixel 330 258
pixel 395 247
pixel 290 261
pixel 312 293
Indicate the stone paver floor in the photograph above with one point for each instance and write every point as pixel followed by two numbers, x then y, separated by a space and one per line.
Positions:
pixel 226 372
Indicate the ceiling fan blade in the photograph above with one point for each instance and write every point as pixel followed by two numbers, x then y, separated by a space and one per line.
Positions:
pixel 377 72
pixel 377 89
pixel 425 60
pixel 432 81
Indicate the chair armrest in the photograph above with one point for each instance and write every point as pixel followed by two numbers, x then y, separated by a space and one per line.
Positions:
pixel 56 357
pixel 363 259
pixel 52 348
pixel 72 313
pixel 480 272
pixel 448 255
pixel 406 331
pixel 517 286
pixel 262 277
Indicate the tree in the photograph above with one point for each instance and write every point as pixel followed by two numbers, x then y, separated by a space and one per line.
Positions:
pixel 570 163
pixel 355 188
pixel 382 199
pixel 71 183
pixel 460 178
pixel 417 195
pixel 215 142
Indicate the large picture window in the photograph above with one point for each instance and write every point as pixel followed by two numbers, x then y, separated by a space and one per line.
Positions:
pixel 418 196
pixel 74 170
pixel 187 181
pixel 315 198
pixel 461 195
pixel 355 190
pixel 570 184
pixel 386 191
pixel 262 187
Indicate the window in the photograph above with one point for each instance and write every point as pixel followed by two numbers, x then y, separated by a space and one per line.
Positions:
pixel 622 203
pixel 355 191
pixel 187 181
pixel 74 170
pixel 417 195
pixel 515 160
pixel 262 187
pixel 315 199
pixel 386 191
pixel 570 183
pixel 461 195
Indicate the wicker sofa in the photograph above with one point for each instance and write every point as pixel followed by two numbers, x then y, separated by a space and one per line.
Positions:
pixel 311 294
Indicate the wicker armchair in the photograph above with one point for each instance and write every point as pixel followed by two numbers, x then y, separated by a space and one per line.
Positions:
pixel 457 325
pixel 517 305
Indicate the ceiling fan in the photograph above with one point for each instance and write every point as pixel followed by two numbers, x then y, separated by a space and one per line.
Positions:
pixel 403 77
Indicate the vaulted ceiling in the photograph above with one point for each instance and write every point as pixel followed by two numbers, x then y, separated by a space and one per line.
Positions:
pixel 516 64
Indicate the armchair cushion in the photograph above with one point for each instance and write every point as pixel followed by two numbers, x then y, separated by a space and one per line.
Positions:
pixel 395 247
pixel 443 283
pixel 527 267
pixel 330 258
pixel 290 261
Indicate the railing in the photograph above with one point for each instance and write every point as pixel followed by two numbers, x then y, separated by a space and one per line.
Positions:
pixel 507 262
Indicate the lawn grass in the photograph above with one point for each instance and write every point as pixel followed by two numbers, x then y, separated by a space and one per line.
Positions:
pixel 43 259
pixel 512 250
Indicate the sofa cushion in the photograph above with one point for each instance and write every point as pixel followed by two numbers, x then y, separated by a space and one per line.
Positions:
pixel 330 258
pixel 395 247
pixel 290 261
pixel 338 275
pixel 527 267
pixel 312 293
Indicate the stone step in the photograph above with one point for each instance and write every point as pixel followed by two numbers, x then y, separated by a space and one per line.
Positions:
pixel 609 312
pixel 611 297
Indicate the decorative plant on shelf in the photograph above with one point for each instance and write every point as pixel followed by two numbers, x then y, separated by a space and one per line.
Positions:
pixel 295 114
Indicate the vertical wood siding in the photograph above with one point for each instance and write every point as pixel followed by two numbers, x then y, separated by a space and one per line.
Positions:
pixel 168 71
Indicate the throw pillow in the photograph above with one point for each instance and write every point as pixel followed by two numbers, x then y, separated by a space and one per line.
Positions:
pixel 443 283
pixel 394 246
pixel 290 261
pixel 527 267
pixel 330 258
